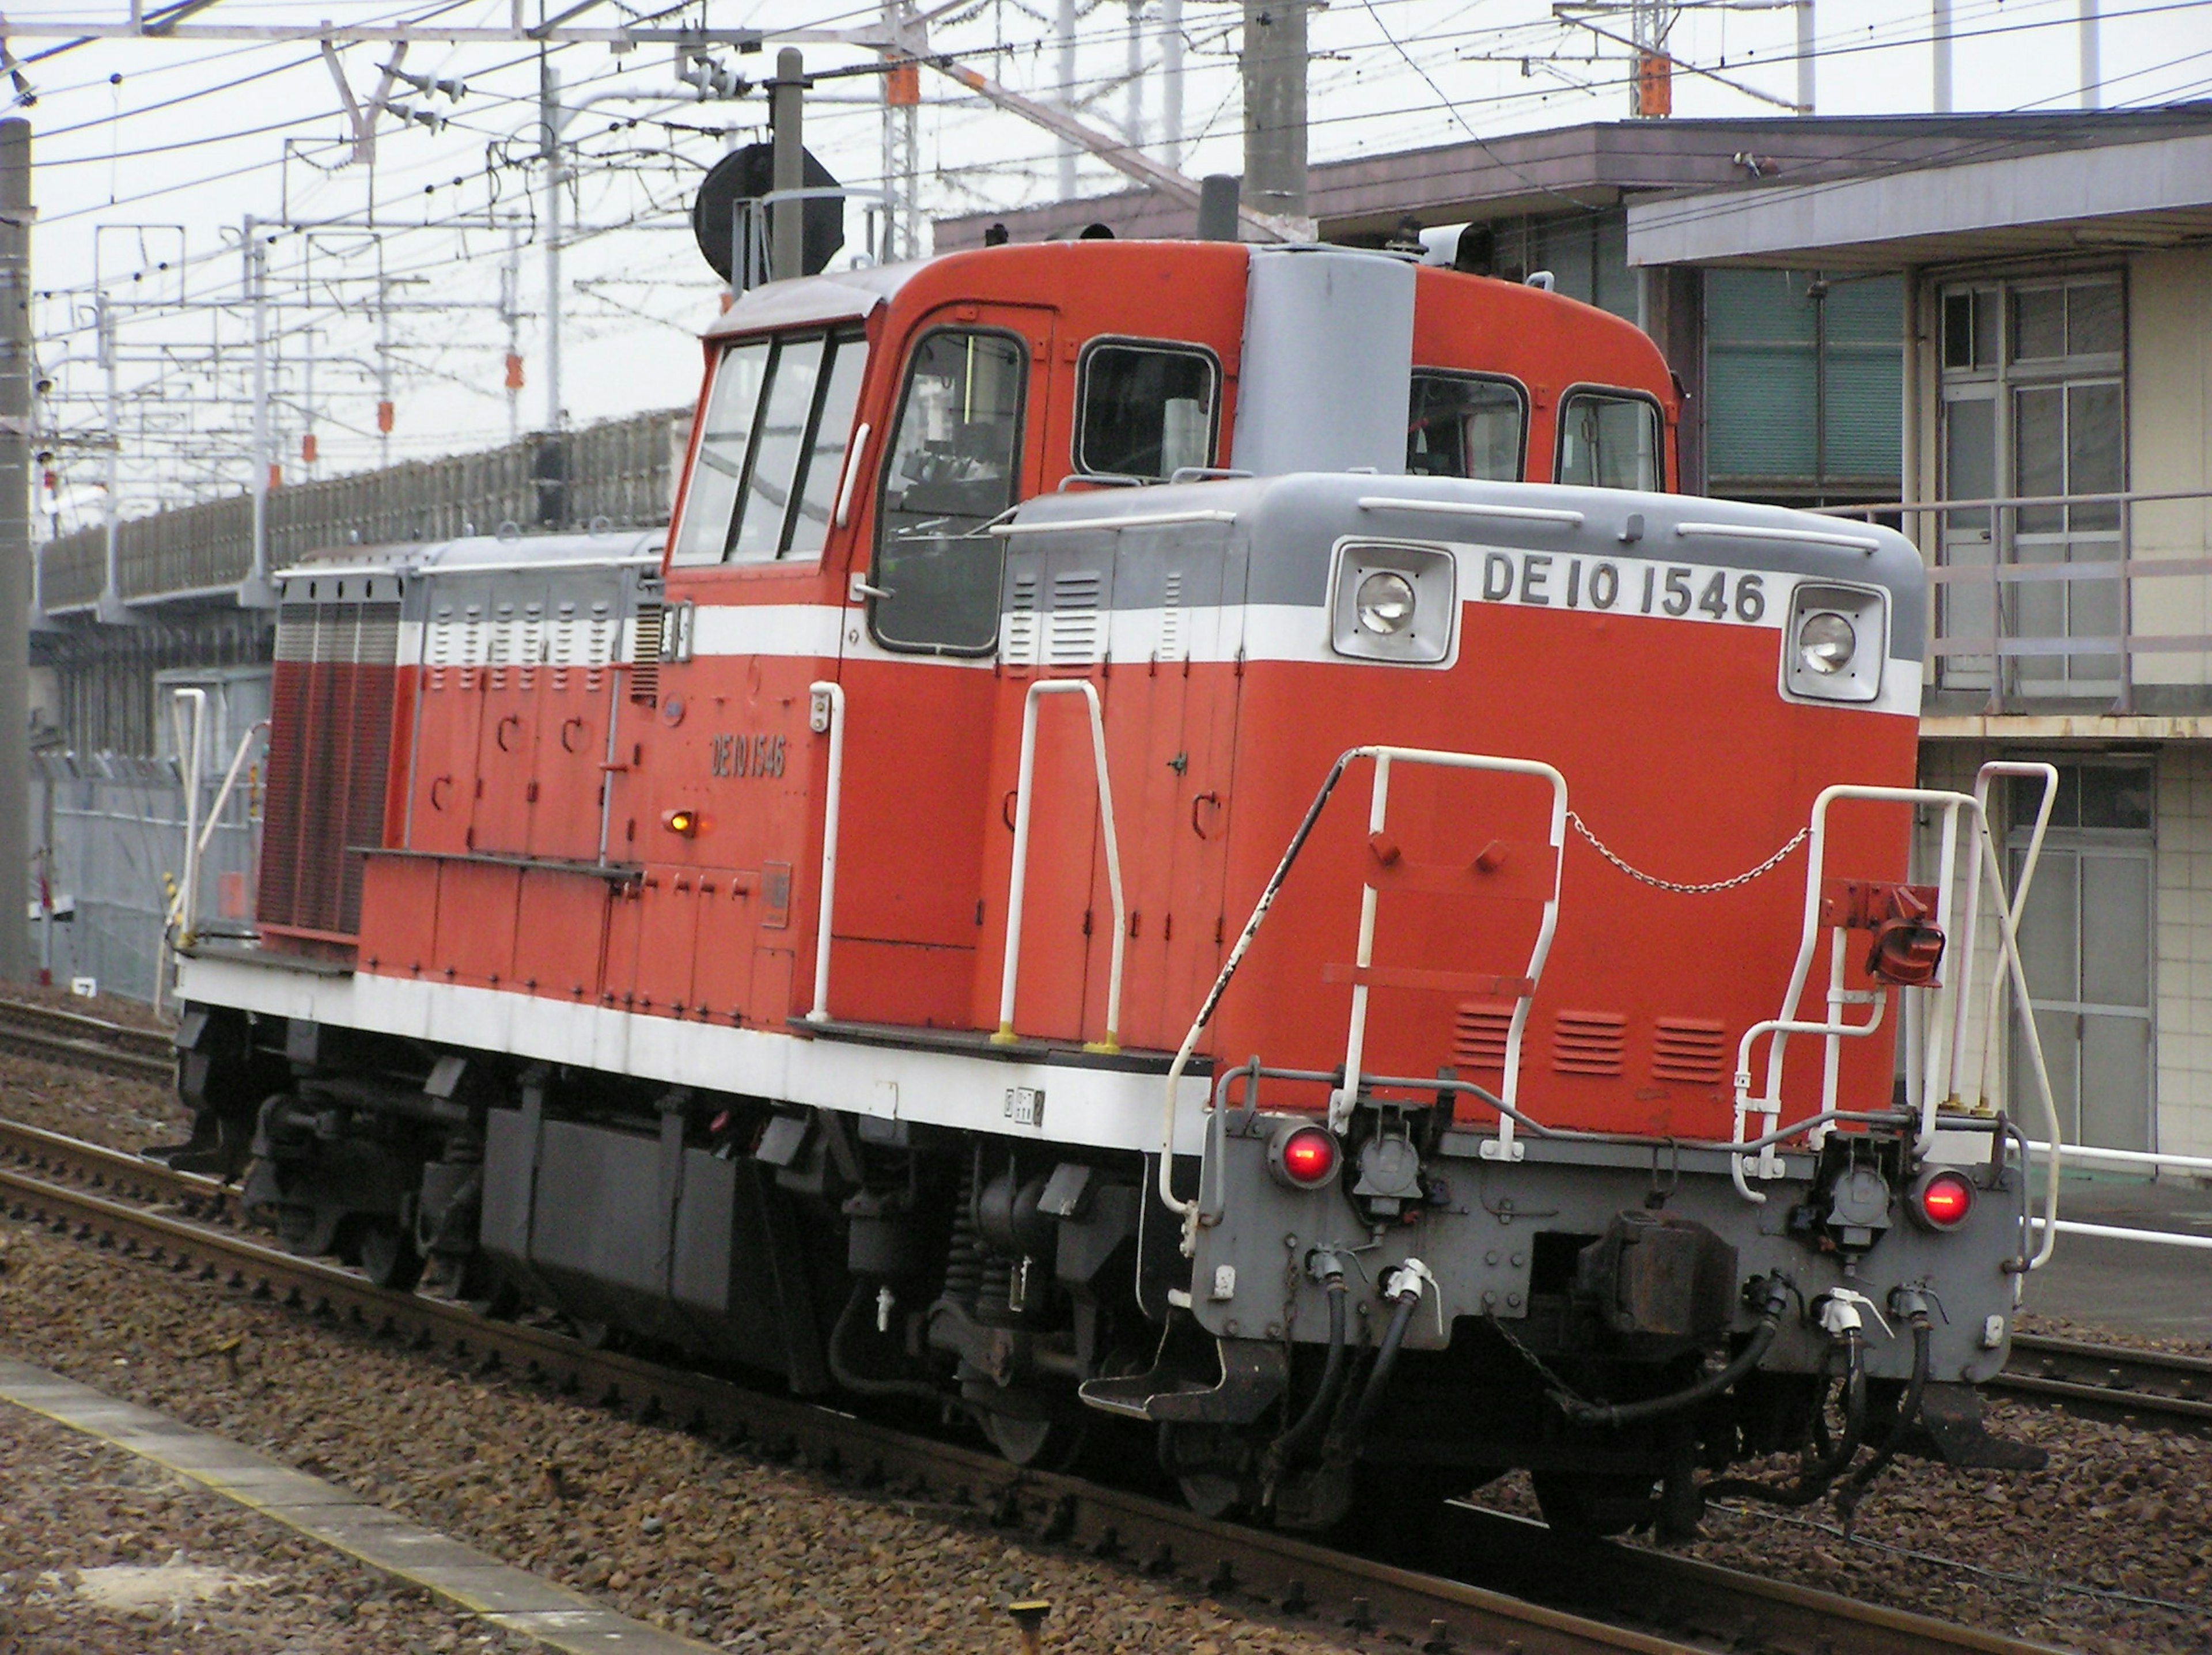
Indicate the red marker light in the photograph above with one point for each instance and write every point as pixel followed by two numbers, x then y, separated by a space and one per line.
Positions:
pixel 1943 1200
pixel 1305 1156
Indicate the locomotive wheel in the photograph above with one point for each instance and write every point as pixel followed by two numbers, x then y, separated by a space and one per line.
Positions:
pixel 1591 1504
pixel 388 1255
pixel 1211 1466
pixel 1050 1445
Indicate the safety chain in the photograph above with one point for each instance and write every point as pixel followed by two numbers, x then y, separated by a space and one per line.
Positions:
pixel 1560 1386
pixel 1706 889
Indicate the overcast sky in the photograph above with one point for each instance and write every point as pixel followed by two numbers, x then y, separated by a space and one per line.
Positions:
pixel 152 154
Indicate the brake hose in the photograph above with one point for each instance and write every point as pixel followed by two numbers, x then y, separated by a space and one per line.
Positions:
pixel 1813 1480
pixel 1309 1424
pixel 859 1385
pixel 1405 1292
pixel 1908 1405
pixel 1773 1299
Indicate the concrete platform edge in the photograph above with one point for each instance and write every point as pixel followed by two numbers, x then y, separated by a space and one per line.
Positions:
pixel 457 1575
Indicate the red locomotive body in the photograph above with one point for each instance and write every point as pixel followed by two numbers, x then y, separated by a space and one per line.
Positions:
pixel 866 890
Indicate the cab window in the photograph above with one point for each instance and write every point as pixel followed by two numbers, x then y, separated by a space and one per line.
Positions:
pixel 1608 439
pixel 1146 411
pixel 779 416
pixel 1466 425
pixel 953 466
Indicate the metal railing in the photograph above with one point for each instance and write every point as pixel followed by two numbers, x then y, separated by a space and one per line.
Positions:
pixel 1018 878
pixel 2041 597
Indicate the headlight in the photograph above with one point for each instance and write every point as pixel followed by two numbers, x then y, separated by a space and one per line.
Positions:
pixel 1393 601
pixel 1386 603
pixel 1827 642
pixel 1834 641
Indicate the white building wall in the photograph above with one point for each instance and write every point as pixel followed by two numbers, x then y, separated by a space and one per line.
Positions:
pixel 2170 450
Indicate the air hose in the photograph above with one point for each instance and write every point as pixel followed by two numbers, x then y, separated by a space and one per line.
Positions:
pixel 1914 1306
pixel 1404 1291
pixel 841 1370
pixel 1813 1480
pixel 1309 1424
pixel 1773 1299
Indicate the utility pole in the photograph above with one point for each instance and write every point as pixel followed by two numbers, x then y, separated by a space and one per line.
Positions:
pixel 1132 122
pixel 15 547
pixel 1275 107
pixel 787 219
pixel 510 311
pixel 1805 58
pixel 549 113
pixel 257 296
pixel 2091 69
pixel 111 582
pixel 1939 39
pixel 1064 31
pixel 1171 83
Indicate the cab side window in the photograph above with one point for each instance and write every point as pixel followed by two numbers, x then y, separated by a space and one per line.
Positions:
pixel 953 464
pixel 779 416
pixel 1466 425
pixel 1146 410
pixel 1609 440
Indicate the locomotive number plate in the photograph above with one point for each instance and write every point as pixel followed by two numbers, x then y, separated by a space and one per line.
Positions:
pixel 1025 1105
pixel 743 756
pixel 1632 586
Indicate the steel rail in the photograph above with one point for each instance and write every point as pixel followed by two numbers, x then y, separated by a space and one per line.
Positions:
pixel 2110 1380
pixel 1250 1569
pixel 54 1035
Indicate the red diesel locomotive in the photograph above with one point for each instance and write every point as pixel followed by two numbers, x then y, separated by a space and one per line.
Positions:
pixel 1180 837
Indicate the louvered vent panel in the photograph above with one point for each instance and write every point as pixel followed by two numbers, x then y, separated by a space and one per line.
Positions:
pixel 1074 629
pixel 330 747
pixel 1691 1050
pixel 1590 1042
pixel 645 667
pixel 1173 645
pixel 1021 645
pixel 1479 1034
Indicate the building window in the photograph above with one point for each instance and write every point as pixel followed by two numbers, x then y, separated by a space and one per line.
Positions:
pixel 1147 411
pixel 1466 425
pixel 2086 936
pixel 1804 382
pixel 779 415
pixel 1608 439
pixel 2034 428
pixel 953 464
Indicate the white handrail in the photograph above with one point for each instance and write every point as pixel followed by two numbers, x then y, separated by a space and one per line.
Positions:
pixel 2151 1158
pixel 1778 1030
pixel 215 811
pixel 2052 1228
pixel 1502 1147
pixel 1018 879
pixel 826 712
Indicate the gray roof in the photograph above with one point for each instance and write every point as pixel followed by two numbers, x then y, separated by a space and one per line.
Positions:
pixel 1604 163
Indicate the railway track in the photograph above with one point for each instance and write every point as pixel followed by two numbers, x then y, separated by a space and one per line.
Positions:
pixel 1619 1598
pixel 54 1035
pixel 2109 1380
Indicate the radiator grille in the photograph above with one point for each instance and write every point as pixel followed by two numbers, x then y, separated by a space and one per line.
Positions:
pixel 330 743
pixel 1590 1042
pixel 1691 1050
pixel 1479 1034
pixel 645 667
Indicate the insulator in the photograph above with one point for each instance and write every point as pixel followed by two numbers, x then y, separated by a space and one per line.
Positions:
pixel 903 86
pixel 276 475
pixel 308 448
pixel 513 371
pixel 383 416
